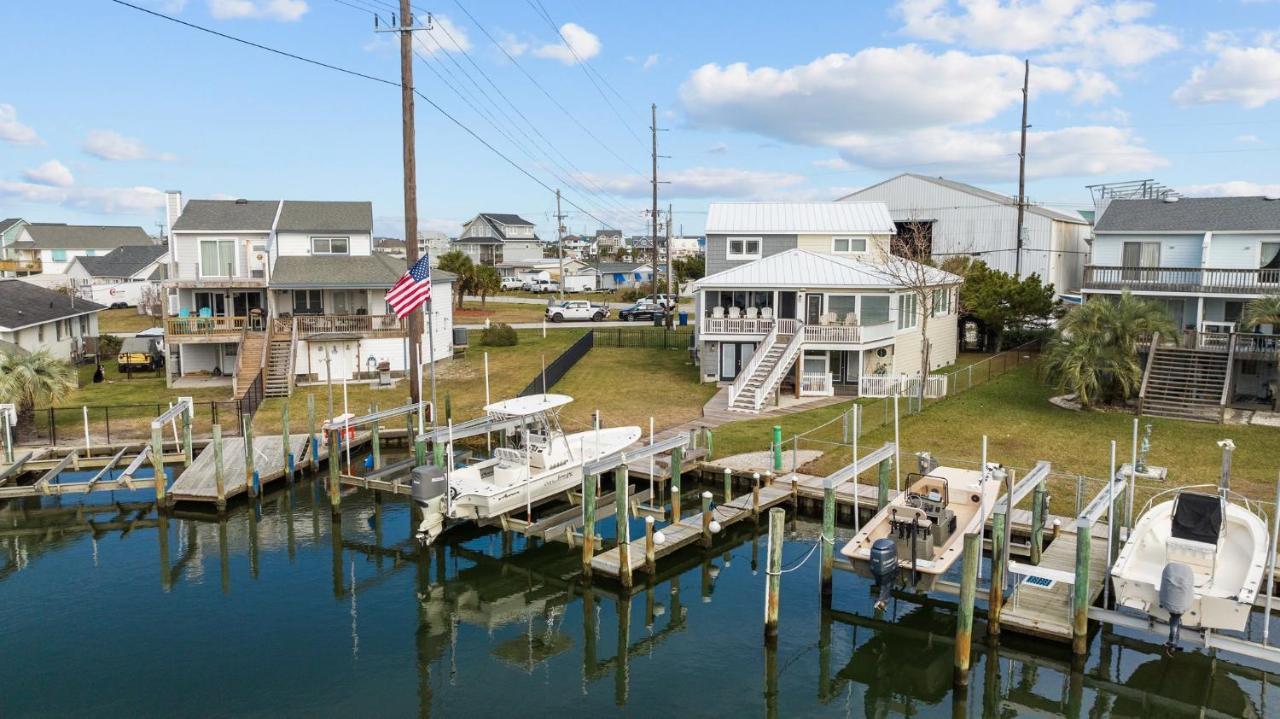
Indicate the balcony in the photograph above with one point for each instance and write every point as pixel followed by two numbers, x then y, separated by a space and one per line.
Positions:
pixel 204 329
pixel 815 334
pixel 1242 345
pixel 29 266
pixel 305 326
pixel 1197 280
pixel 186 275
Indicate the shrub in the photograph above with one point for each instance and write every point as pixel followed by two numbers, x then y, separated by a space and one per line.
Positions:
pixel 108 346
pixel 499 335
pixel 631 294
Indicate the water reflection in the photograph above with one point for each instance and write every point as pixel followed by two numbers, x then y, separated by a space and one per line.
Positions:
pixel 345 613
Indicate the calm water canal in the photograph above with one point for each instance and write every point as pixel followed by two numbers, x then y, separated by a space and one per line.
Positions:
pixel 107 609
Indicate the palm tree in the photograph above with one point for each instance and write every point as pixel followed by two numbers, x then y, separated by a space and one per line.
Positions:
pixel 486 281
pixel 1095 354
pixel 457 262
pixel 29 378
pixel 1265 311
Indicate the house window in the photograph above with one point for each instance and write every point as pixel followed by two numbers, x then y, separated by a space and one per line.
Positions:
pixel 875 309
pixel 1269 262
pixel 842 245
pixel 84 326
pixel 59 255
pixel 1140 255
pixel 941 302
pixel 743 248
pixel 40 333
pixel 57 330
pixel 329 246
pixel 842 306
pixel 217 258
pixel 908 311
pixel 308 302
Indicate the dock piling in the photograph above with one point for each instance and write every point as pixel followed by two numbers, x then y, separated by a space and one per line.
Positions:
pixel 882 483
pixel 246 425
pixel 376 438
pixel 755 495
pixel 286 455
pixel 187 453
pixel 589 486
pixel 311 431
pixel 706 519
pixel 335 461
pixel 709 443
pixel 650 561
pixel 7 437
pixel 728 485
pixel 777 448
pixel 219 481
pixel 773 583
pixel 1038 498
pixel 622 525
pixel 964 613
pixel 1080 602
pixel 995 597
pixel 157 460
pixel 828 539
pixel 677 459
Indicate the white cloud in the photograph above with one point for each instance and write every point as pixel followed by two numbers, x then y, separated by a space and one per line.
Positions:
pixel 1084 31
pixel 1232 188
pixel 13 131
pixel 700 182
pixel 111 145
pixel 1247 76
pixel 52 173
pixel 283 10
pixel 1092 86
pixel 109 200
pixel 832 163
pixel 1248 139
pixel 444 36
pixel 649 61
pixel 513 45
pixel 579 44
pixel 718 149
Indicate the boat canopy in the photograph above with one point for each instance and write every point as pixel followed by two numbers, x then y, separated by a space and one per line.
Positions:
pixel 1197 517
pixel 526 406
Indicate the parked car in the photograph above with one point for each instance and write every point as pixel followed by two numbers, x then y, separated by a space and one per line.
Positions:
pixel 139 353
pixel 512 283
pixel 642 311
pixel 662 299
pixel 576 310
pixel 119 306
pixel 541 286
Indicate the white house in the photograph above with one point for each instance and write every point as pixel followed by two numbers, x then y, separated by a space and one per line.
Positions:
pixel 33 318
pixel 622 275
pixel 50 246
pixel 123 275
pixel 961 219
pixel 11 266
pixel 836 311
pixel 492 238
pixel 684 247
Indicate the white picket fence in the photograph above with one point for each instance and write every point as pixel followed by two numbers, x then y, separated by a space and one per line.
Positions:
pixel 903 386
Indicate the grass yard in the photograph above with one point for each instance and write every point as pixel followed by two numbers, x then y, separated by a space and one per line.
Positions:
pixel 631 385
pixel 507 312
pixel 125 320
pixel 1022 427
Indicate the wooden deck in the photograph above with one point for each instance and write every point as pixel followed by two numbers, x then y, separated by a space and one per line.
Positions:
pixel 197 483
pixel 1046 612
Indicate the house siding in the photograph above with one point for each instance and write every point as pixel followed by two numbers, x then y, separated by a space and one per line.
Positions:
pixel 718 245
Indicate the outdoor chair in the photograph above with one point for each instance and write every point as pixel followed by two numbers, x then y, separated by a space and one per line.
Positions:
pixel 717 313
pixel 752 312
pixel 766 313
pixel 827 318
pixel 851 319
pixel 735 313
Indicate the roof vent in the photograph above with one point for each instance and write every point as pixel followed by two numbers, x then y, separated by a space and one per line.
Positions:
pixel 242 201
pixel 1171 198
pixel 1271 197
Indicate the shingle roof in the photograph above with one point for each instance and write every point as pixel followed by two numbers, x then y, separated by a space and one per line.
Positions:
pixel 8 222
pixel 1191 214
pixel 23 304
pixel 799 217
pixel 376 271
pixel 227 216
pixel 122 261
pixel 312 216
pixel 506 219
pixel 985 194
pixel 55 236
pixel 802 268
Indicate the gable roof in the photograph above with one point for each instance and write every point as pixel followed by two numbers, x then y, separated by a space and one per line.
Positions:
pixel 58 236
pixel 623 267
pixel 799 217
pixel 478 241
pixel 1192 214
pixel 8 222
pixel 506 219
pixel 375 271
pixel 23 304
pixel 227 216
pixel 325 216
pixel 122 261
pixel 802 268
pixel 976 191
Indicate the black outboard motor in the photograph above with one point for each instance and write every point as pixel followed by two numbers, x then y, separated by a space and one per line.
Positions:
pixel 884 568
pixel 1177 596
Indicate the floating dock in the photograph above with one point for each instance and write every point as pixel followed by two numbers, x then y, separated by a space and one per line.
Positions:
pixel 1040 606
pixel 199 482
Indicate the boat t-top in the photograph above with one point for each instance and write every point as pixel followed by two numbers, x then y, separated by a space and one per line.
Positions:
pixel 540 461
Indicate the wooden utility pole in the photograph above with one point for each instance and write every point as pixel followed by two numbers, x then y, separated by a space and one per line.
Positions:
pixel 653 130
pixel 671 273
pixel 410 192
pixel 560 241
pixel 1022 170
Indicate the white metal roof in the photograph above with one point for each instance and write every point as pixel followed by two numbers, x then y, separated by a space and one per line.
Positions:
pixel 525 406
pixel 802 268
pixel 799 218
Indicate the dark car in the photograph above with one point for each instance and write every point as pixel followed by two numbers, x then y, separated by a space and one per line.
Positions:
pixel 642 311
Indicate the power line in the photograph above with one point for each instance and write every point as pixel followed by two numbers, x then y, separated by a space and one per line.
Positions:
pixel 365 76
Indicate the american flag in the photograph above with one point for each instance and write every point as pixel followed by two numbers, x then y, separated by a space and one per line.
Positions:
pixel 412 289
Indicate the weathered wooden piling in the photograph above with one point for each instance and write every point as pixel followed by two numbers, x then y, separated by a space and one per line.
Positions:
pixel 882 483
pixel 246 431
pixel 828 538
pixel 773 582
pixel 219 481
pixel 964 613
pixel 7 438
pixel 589 486
pixel 1038 497
pixel 677 460
pixel 157 461
pixel 311 432
pixel 755 495
pixel 777 448
pixel 286 454
pixel 1080 602
pixel 706 519
pixel 995 597
pixel 728 485
pixel 166 567
pixel 376 438
pixel 710 446
pixel 622 526
pixel 335 460
pixel 650 560
pixel 187 453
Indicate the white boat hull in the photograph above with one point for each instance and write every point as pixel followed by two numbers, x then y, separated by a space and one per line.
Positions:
pixel 1223 597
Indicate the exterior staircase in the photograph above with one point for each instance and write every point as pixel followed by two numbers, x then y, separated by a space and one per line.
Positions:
pixel 1185 383
pixel 765 371
pixel 279 360
pixel 249 362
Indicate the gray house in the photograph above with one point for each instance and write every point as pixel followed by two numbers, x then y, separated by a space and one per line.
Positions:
pixel 742 232
pixel 493 239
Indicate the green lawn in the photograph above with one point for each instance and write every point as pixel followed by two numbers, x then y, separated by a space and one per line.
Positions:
pixel 1022 427
pixel 125 320
pixel 630 385
pixel 508 312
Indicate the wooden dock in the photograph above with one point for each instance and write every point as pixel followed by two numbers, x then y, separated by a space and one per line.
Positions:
pixel 1046 611
pixel 198 482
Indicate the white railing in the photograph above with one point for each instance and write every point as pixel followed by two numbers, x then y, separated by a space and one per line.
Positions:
pixel 791 351
pixel 737 326
pixel 816 384
pixel 832 333
pixel 762 349
pixel 789 327
pixel 902 386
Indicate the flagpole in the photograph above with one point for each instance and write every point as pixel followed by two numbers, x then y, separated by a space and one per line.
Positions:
pixel 431 358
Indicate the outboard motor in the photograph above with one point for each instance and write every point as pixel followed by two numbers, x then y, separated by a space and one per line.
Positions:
pixel 884 568
pixel 427 487
pixel 1177 596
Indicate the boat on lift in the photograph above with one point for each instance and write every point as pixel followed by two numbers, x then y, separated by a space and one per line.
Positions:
pixel 540 461
pixel 919 534
pixel 1195 560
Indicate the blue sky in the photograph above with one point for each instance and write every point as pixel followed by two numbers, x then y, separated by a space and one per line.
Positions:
pixel 103 106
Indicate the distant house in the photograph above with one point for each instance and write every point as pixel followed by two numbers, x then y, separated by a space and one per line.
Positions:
pixel 608 239
pixel 392 246
pixel 33 318
pixel 622 275
pixel 122 275
pixel 491 239
pixel 9 230
pixel 49 246
pixel 683 248
pixel 433 243
pixel 961 219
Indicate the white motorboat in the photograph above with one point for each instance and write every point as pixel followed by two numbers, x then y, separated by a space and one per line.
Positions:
pixel 920 533
pixel 1196 560
pixel 542 462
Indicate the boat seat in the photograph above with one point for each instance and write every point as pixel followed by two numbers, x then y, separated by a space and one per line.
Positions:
pixel 1200 556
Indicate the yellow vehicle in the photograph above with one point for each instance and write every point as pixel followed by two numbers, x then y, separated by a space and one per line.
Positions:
pixel 139 353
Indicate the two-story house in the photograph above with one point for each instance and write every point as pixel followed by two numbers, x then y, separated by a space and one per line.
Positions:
pixel 495 239
pixel 49 247
pixel 281 291
pixel 9 229
pixel 126 274
pixel 1204 258
pixel 807 287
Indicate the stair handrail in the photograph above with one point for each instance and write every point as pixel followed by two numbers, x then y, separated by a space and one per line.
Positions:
pixel 235 376
pixel 1226 383
pixel 293 353
pixel 1146 372
pixel 784 361
pixel 762 349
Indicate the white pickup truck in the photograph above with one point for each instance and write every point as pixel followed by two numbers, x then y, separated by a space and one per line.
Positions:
pixel 576 310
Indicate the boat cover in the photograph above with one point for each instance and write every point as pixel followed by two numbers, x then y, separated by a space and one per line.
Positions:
pixel 1197 517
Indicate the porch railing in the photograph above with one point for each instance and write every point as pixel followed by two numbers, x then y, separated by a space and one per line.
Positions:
pixel 902 386
pixel 1244 344
pixel 204 326
pixel 1181 279
pixel 355 324
pixel 816 384
pixel 737 326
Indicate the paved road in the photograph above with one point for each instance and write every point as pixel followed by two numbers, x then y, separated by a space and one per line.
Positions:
pixel 565 325
pixel 597 299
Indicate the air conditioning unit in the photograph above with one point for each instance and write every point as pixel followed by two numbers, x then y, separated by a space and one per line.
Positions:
pixel 258 274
